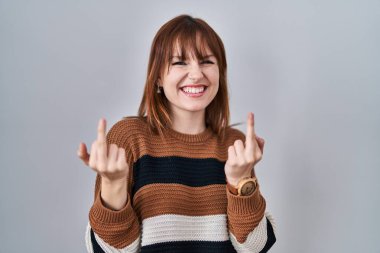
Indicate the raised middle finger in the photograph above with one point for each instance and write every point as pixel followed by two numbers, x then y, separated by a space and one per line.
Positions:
pixel 102 130
pixel 250 140
pixel 101 142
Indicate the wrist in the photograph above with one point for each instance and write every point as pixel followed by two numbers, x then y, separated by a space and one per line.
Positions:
pixel 235 181
pixel 114 187
pixel 114 195
pixel 114 182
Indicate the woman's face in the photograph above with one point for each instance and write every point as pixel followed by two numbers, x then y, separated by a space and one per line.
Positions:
pixel 190 85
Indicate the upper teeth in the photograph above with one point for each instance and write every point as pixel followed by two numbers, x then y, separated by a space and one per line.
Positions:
pixel 193 90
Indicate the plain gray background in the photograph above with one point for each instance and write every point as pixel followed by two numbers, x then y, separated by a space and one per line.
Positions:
pixel 309 70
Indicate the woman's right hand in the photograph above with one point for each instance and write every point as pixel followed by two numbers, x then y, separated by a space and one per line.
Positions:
pixel 111 165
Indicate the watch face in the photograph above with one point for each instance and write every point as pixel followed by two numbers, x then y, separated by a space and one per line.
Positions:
pixel 248 188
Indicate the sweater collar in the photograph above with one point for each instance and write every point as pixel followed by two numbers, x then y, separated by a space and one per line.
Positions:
pixel 201 137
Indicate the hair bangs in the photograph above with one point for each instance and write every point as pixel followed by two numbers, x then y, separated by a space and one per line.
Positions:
pixel 191 40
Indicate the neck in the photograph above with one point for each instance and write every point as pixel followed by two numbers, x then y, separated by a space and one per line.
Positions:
pixel 189 122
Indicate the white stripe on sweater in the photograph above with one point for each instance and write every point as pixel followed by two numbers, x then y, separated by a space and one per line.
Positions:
pixel 172 227
pixel 132 248
pixel 256 239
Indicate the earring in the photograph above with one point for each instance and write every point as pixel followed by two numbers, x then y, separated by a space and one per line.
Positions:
pixel 158 89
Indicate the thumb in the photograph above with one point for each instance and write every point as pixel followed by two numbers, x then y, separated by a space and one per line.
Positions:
pixel 82 153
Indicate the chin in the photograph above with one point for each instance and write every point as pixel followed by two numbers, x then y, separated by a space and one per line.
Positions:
pixel 195 109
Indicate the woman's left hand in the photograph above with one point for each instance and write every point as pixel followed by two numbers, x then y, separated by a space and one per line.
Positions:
pixel 241 160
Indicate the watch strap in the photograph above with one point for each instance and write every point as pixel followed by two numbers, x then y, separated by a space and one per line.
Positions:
pixel 232 189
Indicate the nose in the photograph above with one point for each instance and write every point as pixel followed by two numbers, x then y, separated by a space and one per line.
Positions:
pixel 195 72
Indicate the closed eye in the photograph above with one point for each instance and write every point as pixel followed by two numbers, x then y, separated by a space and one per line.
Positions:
pixel 179 63
pixel 207 62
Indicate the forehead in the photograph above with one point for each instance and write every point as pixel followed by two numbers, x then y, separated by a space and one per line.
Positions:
pixel 190 48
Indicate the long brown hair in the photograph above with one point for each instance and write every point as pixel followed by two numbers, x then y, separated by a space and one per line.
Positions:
pixel 192 35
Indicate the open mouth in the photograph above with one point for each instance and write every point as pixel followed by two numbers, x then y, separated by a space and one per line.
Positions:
pixel 194 91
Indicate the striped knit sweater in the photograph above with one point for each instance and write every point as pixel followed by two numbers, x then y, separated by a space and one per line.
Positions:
pixel 177 197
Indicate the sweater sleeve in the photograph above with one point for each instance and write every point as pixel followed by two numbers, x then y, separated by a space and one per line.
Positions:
pixel 109 230
pixel 251 229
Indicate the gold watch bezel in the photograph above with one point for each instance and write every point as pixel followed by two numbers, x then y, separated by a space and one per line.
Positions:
pixel 244 181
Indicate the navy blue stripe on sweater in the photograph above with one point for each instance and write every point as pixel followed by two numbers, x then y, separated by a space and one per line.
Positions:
pixel 190 247
pixel 95 246
pixel 271 237
pixel 180 170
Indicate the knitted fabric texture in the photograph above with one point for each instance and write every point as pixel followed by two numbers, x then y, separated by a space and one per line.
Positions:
pixel 177 196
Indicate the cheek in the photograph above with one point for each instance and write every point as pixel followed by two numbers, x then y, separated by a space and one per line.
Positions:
pixel 214 76
pixel 174 78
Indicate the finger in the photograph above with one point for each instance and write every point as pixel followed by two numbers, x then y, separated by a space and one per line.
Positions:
pixel 239 149
pixel 258 151
pixel 101 157
pixel 81 150
pixel 102 130
pixel 231 154
pixel 82 153
pixel 250 136
pixel 112 156
pixel 261 142
pixel 121 159
pixel 101 151
pixel 92 161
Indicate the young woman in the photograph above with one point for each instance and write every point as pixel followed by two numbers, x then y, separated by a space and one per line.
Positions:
pixel 178 178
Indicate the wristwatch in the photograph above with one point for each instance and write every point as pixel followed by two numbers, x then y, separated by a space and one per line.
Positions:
pixel 245 187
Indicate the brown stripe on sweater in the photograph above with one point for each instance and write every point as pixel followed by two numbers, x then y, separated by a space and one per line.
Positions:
pixel 245 213
pixel 145 143
pixel 158 199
